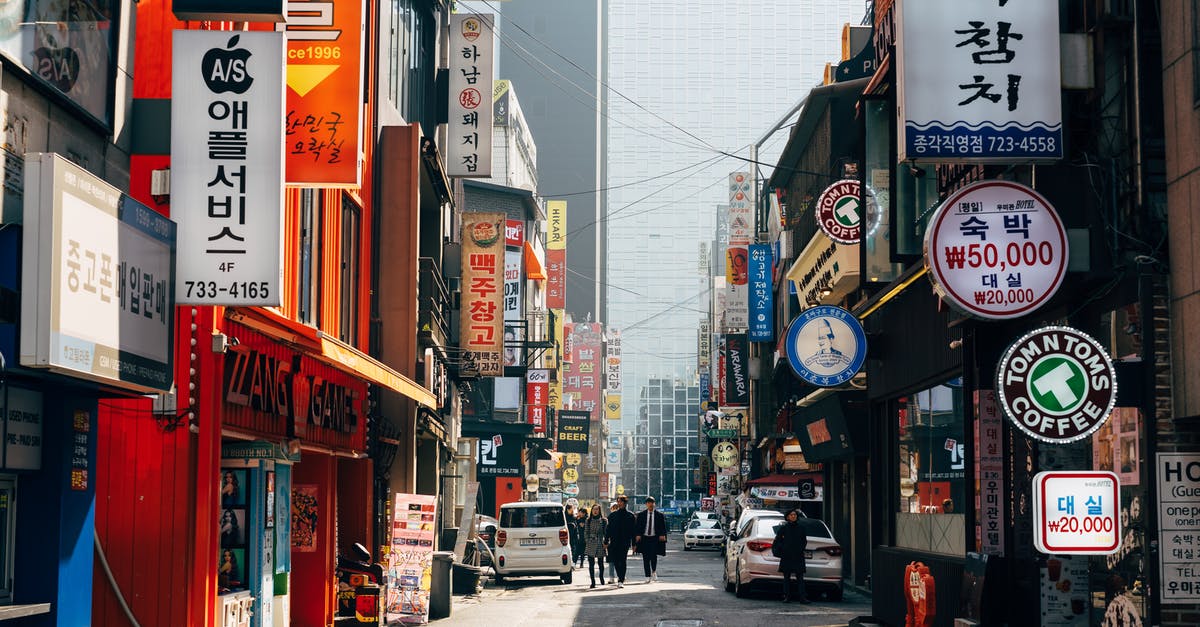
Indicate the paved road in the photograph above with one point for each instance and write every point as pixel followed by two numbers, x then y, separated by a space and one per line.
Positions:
pixel 688 594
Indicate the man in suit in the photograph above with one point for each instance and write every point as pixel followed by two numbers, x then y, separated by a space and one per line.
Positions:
pixel 618 537
pixel 651 538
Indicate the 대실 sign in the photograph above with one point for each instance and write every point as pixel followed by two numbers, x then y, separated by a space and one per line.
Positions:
pixel 1076 512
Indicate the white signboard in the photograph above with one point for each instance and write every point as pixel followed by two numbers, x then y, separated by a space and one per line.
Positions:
pixel 22 423
pixel 741 210
pixel 978 81
pixel 1076 511
pixel 613 362
pixel 98 272
pixel 227 106
pixel 996 249
pixel 1179 526
pixel 469 129
pixel 512 284
pixel 545 469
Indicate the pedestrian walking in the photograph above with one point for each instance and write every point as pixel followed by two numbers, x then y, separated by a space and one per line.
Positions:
pixel 651 538
pixel 595 536
pixel 573 534
pixel 577 548
pixel 612 572
pixel 790 542
pixel 621 526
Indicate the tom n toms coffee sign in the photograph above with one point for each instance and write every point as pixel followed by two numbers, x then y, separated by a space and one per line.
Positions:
pixel 839 211
pixel 826 345
pixel 996 250
pixel 1057 384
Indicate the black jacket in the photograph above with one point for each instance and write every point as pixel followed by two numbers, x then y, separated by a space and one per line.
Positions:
pixel 620 530
pixel 789 545
pixel 651 543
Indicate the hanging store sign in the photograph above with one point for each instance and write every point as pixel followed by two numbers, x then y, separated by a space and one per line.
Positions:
pixel 469 126
pixel 978 81
pixel 1076 512
pixel 737 371
pixel 705 345
pixel 227 166
pixel 762 306
pixel 98 271
pixel 741 210
pixel 826 345
pixel 573 432
pixel 1057 384
pixel 1179 526
pixel 512 284
pixel 725 455
pixel 996 249
pixel 612 407
pixel 556 255
pixel 537 394
pixel 825 271
pixel 482 331
pixel 323 126
pixel 839 211
pixel 612 373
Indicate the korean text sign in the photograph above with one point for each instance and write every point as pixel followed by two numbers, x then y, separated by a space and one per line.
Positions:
pixel 227 166
pixel 1076 512
pixel 537 392
pixel 556 255
pixel 323 126
pixel 98 272
pixel 762 307
pixel 1179 526
pixel 978 80
pixel 482 320
pixel 469 143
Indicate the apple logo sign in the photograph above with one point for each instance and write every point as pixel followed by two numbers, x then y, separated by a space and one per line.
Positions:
pixel 57 66
pixel 225 69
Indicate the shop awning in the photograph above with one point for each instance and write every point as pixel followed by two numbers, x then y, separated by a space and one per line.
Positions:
pixel 329 350
pixel 534 269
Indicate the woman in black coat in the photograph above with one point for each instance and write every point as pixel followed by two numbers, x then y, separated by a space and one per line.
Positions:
pixel 790 542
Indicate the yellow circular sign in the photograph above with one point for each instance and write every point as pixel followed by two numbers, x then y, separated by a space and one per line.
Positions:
pixel 573 459
pixel 620 489
pixel 725 455
pixel 570 475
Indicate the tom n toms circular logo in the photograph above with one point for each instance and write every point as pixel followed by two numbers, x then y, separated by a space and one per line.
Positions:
pixel 826 345
pixel 1057 384
pixel 839 212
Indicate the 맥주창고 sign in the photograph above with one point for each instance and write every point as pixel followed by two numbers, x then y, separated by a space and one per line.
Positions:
pixel 482 323
pixel 1076 512
pixel 839 211
pixel 826 345
pixel 1057 384
pixel 996 249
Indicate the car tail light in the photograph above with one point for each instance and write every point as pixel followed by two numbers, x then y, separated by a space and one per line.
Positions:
pixel 501 560
pixel 564 536
pixel 501 537
pixel 833 551
pixel 564 559
pixel 758 546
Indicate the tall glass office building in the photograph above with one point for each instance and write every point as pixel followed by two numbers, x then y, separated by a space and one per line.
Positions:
pixel 723 71
pixel 664 445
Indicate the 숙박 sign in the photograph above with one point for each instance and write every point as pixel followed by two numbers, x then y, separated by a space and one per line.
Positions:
pixel 1179 526
pixel 469 129
pixel 323 126
pixel 762 307
pixel 996 249
pixel 227 166
pixel 1057 384
pixel 978 81
pixel 1076 512
pixel 482 332
pixel 839 211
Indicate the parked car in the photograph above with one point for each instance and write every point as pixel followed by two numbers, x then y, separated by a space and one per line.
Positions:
pixel 703 533
pixel 532 539
pixel 749 562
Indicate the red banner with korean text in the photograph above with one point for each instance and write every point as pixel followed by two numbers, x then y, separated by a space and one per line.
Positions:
pixel 482 321
pixel 537 394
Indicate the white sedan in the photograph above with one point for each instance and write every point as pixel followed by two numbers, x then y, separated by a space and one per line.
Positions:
pixel 703 533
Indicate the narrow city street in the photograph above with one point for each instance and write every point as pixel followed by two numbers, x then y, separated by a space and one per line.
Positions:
pixel 688 593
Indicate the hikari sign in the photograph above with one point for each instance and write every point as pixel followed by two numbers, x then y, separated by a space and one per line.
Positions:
pixel 978 81
pixel 469 143
pixel 227 166
pixel 1076 512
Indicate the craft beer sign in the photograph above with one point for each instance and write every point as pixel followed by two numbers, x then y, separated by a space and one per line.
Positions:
pixel 839 211
pixel 1057 384
pixel 227 166
pixel 996 250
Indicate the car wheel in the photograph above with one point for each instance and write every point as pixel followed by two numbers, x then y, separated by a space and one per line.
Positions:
pixel 499 579
pixel 566 578
pixel 835 594
pixel 687 548
pixel 725 580
pixel 740 590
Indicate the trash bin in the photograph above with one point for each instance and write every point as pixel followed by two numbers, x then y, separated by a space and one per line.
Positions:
pixel 441 584
pixel 466 579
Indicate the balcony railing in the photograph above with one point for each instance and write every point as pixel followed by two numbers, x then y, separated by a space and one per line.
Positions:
pixel 433 304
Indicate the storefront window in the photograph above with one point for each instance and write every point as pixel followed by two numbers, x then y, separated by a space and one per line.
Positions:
pixel 930 450
pixel 66 45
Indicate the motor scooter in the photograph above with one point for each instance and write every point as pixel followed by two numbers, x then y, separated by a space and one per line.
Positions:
pixel 355 571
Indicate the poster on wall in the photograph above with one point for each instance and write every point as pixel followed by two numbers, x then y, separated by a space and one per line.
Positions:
pixel 1064 591
pixel 305 506
pixel 231 522
pixel 410 566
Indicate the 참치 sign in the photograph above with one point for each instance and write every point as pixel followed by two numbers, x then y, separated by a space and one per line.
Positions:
pixel 1076 512
pixel 826 345
pixel 996 250
pixel 1057 384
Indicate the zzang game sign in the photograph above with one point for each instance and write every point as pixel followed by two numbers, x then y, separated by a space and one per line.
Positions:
pixel 323 126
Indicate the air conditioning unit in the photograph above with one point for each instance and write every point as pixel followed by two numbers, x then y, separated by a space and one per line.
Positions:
pixel 160 185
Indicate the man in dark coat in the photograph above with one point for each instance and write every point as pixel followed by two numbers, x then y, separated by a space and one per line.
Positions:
pixel 789 545
pixel 618 538
pixel 651 538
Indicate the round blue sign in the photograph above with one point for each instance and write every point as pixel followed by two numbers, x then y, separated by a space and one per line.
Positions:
pixel 826 345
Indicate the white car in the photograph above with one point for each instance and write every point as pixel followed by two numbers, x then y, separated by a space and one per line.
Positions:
pixel 749 562
pixel 703 533
pixel 704 516
pixel 532 539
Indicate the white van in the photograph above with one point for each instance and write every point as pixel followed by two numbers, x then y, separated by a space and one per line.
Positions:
pixel 532 539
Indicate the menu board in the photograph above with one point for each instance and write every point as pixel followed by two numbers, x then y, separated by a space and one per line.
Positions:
pixel 1064 591
pixel 410 562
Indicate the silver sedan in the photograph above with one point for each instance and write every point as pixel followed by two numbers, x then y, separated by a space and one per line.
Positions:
pixel 703 533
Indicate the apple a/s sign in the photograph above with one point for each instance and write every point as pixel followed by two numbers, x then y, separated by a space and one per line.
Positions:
pixel 225 70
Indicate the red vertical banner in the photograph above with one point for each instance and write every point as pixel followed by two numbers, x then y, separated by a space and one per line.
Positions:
pixel 719 384
pixel 556 279
pixel 537 394
pixel 323 126
pixel 482 320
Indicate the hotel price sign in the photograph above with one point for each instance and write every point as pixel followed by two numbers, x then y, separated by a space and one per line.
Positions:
pixel 1076 512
